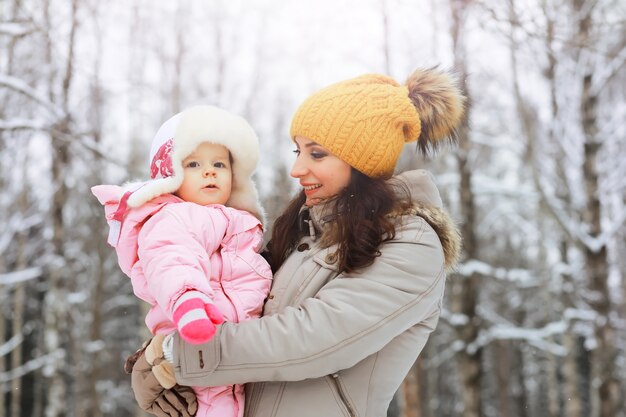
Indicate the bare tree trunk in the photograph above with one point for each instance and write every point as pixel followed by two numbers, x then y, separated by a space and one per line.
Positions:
pixel 3 296
pixel 571 407
pixel 435 44
pixel 178 59
pixel 605 354
pixel 54 302
pixel 573 395
pixel 92 408
pixel 5 292
pixel 137 54
pixel 504 370
pixel 54 311
pixel 19 297
pixel 411 392
pixel 465 295
pixel 386 35
pixel 220 60
pixel 554 372
pixel 520 397
pixel 55 308
pixel 596 262
pixel 427 386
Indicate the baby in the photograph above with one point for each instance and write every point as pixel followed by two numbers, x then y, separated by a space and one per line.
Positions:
pixel 189 237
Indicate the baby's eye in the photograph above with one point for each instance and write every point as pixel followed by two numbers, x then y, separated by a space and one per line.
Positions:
pixel 219 165
pixel 192 164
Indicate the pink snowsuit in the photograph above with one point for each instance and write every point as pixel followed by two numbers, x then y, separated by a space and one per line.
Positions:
pixel 169 246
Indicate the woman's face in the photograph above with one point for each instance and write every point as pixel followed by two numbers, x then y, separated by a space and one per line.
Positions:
pixel 321 174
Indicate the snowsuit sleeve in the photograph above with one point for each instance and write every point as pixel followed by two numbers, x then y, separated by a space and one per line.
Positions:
pixel 174 250
pixel 350 318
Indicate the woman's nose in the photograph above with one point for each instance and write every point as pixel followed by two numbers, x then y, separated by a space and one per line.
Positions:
pixel 298 169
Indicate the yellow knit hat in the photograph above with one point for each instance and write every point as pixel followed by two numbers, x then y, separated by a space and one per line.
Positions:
pixel 365 121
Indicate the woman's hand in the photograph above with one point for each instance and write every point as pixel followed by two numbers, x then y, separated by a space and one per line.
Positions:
pixel 154 384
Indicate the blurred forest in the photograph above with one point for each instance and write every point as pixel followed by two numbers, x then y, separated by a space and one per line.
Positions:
pixel 534 321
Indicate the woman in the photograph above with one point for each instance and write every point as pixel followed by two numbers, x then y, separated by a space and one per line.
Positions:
pixel 359 262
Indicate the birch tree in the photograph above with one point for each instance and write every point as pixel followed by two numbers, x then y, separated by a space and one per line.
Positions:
pixel 55 308
pixel 465 289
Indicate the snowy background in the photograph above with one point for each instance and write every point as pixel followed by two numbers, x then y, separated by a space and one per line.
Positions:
pixel 534 319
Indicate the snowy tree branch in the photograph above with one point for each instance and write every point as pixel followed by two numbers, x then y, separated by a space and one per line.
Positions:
pixel 18 223
pixel 22 124
pixel 453 319
pixel 14 277
pixel 8 346
pixel 97 148
pixel 534 337
pixel 523 277
pixel 607 72
pixel 614 228
pixel 30 366
pixel 15 29
pixel 445 355
pixel 20 86
pixel 573 230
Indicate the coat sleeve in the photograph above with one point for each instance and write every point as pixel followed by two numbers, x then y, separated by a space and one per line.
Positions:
pixel 349 319
pixel 173 255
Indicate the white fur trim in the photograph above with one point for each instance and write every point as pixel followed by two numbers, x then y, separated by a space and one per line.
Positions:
pixel 207 124
pixel 154 188
pixel 168 348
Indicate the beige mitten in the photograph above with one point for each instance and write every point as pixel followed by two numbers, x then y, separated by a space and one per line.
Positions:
pixel 163 370
pixel 154 385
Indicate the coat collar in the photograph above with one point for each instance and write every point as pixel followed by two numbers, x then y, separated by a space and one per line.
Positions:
pixel 315 219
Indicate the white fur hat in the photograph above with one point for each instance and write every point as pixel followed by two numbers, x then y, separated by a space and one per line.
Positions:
pixel 180 136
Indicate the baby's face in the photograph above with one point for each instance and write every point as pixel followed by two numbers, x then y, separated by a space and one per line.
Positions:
pixel 208 175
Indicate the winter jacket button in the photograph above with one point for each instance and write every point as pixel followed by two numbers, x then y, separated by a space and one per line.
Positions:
pixel 302 247
pixel 270 297
pixel 331 258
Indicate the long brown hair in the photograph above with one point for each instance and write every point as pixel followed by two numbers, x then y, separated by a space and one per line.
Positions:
pixel 360 225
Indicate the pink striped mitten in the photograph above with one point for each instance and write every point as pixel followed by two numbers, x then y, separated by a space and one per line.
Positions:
pixel 195 315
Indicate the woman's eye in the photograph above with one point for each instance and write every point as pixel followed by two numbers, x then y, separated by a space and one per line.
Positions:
pixel 297 152
pixel 192 164
pixel 317 155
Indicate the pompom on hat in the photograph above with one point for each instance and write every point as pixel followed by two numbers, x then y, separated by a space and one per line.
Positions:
pixel 366 121
pixel 180 135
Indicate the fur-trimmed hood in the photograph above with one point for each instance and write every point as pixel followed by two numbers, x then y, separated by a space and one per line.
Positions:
pixel 427 204
pixel 445 228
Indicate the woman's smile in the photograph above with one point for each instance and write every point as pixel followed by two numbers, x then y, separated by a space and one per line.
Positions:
pixel 310 189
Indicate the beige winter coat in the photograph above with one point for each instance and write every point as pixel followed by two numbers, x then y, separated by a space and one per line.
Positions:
pixel 332 344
